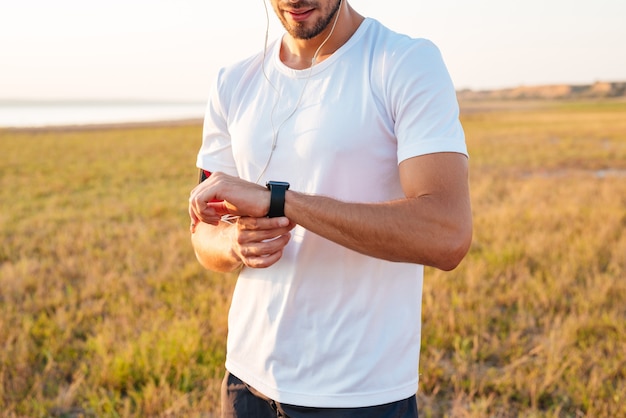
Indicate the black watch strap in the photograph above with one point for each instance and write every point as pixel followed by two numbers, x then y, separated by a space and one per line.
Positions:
pixel 277 198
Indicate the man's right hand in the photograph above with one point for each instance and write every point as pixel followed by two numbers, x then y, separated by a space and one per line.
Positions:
pixel 222 194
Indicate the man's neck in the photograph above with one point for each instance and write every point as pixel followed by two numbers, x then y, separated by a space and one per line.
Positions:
pixel 298 53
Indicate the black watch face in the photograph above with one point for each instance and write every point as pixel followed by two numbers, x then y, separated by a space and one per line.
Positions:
pixel 278 184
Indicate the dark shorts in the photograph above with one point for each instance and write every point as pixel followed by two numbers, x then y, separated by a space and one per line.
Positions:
pixel 239 400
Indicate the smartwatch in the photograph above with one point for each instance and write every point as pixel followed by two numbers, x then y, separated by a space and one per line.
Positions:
pixel 277 198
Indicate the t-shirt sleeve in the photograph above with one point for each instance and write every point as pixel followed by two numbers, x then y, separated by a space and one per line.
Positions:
pixel 424 103
pixel 216 151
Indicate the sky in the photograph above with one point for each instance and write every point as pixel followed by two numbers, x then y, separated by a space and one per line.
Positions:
pixel 171 49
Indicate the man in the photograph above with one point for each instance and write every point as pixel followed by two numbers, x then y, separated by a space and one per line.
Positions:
pixel 356 130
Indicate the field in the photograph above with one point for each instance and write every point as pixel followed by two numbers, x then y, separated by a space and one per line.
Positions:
pixel 104 311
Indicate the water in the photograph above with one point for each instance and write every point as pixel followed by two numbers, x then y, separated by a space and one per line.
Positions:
pixel 24 114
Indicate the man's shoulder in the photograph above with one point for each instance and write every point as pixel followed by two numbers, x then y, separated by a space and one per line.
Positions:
pixel 395 44
pixel 237 69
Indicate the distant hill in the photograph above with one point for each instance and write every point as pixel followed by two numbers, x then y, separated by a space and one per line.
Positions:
pixel 555 91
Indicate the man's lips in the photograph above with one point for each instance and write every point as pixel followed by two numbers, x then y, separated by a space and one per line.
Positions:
pixel 300 16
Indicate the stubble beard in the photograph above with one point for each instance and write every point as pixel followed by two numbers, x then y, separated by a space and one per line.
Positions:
pixel 301 31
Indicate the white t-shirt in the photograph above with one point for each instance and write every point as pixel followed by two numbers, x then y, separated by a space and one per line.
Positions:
pixel 327 326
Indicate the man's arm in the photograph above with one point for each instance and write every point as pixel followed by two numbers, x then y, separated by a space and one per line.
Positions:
pixel 432 225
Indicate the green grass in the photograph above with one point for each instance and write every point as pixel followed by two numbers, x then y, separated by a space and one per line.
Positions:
pixel 104 311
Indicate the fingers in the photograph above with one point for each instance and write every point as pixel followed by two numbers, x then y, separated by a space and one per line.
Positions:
pixel 263 254
pixel 199 211
pixel 222 194
pixel 194 220
pixel 268 225
pixel 260 241
pixel 262 262
pixel 204 204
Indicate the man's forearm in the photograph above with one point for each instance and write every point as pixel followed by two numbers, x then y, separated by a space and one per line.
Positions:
pixel 422 230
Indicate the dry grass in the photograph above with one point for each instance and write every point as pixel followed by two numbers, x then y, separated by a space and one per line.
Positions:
pixel 105 312
pixel 534 321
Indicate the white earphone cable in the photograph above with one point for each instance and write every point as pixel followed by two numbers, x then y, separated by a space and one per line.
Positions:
pixel 230 218
pixel 275 130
